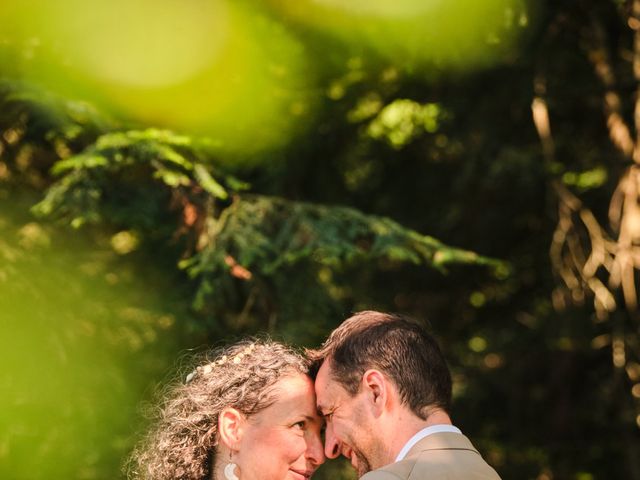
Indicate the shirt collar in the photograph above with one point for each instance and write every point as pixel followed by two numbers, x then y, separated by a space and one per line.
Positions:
pixel 425 432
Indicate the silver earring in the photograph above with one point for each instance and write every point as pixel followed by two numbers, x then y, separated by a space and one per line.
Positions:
pixel 230 471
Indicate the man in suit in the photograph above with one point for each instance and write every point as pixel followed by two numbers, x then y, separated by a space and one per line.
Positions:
pixel 384 389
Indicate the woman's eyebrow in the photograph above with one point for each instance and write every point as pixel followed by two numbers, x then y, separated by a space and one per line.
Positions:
pixel 313 418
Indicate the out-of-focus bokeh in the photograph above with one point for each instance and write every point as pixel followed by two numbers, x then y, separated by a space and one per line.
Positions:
pixel 80 333
pixel 416 35
pixel 214 67
pixel 179 174
pixel 238 70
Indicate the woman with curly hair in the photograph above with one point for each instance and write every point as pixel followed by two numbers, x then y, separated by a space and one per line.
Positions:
pixel 247 412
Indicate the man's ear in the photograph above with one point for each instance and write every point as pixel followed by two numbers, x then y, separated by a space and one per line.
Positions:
pixel 231 425
pixel 376 386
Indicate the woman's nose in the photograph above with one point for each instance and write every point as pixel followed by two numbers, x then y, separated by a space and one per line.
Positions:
pixel 315 452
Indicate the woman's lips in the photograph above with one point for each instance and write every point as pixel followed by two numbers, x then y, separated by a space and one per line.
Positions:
pixel 303 474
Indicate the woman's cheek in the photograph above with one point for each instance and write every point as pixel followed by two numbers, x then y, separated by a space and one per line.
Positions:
pixel 296 445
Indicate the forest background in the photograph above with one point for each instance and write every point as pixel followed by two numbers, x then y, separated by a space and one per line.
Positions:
pixel 180 174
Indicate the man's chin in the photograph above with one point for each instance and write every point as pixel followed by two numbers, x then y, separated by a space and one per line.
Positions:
pixel 360 464
pixel 362 471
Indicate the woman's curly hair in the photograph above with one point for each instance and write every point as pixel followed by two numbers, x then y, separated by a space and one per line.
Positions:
pixel 183 439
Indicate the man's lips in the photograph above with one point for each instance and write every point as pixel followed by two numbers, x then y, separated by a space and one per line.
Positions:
pixel 348 453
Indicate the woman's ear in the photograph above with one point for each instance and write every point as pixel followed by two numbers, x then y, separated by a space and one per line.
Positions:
pixel 377 388
pixel 231 424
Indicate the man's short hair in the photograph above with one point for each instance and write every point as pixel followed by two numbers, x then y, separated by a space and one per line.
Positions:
pixel 399 348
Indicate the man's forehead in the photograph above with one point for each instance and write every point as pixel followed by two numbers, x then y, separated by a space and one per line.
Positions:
pixel 323 377
pixel 323 385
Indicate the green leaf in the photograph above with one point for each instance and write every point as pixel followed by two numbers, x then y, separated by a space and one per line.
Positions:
pixel 208 182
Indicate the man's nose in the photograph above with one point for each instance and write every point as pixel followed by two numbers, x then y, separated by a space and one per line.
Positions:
pixel 332 445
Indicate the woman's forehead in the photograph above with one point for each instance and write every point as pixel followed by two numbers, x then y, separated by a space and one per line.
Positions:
pixel 293 394
pixel 292 387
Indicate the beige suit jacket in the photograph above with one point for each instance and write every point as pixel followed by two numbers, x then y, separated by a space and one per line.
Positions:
pixel 440 456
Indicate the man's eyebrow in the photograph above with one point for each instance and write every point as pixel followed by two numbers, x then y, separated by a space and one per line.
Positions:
pixel 326 411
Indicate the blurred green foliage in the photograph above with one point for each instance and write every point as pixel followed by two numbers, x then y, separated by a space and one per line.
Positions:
pixel 81 333
pixel 175 175
pixel 198 67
